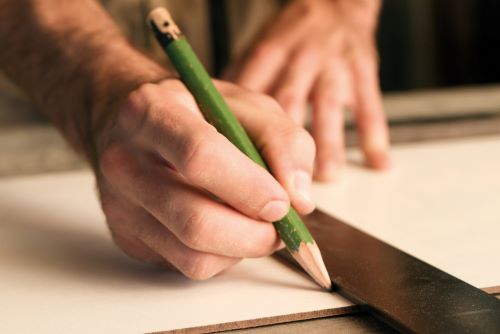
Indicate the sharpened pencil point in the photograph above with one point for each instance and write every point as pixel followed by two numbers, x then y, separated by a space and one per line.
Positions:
pixel 309 258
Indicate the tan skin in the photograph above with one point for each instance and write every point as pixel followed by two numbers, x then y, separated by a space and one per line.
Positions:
pixel 323 52
pixel 173 189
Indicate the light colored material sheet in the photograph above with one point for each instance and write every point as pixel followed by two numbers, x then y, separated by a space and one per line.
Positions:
pixel 441 203
pixel 59 271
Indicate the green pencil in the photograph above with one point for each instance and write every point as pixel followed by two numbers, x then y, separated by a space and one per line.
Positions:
pixel 291 229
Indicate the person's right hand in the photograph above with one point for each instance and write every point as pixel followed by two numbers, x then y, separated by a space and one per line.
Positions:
pixel 174 190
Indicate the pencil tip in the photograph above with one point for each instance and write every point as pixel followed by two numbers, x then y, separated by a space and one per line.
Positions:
pixel 309 257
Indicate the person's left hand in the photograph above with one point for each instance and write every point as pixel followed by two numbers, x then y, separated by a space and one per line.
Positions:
pixel 323 52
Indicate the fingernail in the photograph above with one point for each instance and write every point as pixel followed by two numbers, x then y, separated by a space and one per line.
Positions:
pixel 302 187
pixel 274 210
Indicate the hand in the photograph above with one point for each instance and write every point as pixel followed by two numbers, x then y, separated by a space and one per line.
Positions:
pixel 175 190
pixel 323 52
pixel 172 188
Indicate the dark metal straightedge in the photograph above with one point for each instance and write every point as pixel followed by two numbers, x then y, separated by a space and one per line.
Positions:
pixel 401 290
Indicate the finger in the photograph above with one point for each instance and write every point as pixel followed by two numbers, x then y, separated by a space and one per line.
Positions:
pixel 269 55
pixel 330 95
pixel 204 157
pixel 198 221
pixel 193 264
pixel 296 82
pixel 118 210
pixel 261 66
pixel 369 114
pixel 136 249
pixel 287 148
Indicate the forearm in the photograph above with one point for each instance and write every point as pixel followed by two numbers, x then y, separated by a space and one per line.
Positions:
pixel 73 62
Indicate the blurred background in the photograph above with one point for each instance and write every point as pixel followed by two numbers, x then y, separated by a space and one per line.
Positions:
pixel 439 43
pixel 439 71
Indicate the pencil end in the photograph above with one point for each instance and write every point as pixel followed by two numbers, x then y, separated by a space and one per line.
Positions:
pixel 160 20
pixel 309 257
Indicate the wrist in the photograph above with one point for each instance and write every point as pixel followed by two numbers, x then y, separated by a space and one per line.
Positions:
pixel 119 71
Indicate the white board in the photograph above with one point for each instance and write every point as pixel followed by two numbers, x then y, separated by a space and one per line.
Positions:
pixel 60 271
pixel 441 203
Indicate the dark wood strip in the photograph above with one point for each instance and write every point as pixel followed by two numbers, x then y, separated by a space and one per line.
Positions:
pixel 229 326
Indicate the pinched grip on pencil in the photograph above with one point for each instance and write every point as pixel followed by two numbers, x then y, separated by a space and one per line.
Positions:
pixel 291 229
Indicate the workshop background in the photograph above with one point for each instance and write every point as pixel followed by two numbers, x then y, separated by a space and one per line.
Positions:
pixel 439 71
pixel 439 43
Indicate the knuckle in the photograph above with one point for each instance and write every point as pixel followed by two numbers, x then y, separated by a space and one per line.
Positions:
pixel 266 50
pixel 260 101
pixel 308 55
pixel 198 267
pixel 298 138
pixel 194 229
pixel 300 134
pixel 123 243
pixel 286 136
pixel 133 113
pixel 306 140
pixel 287 96
pixel 135 250
pixel 371 117
pixel 112 161
pixel 270 104
pixel 111 209
pixel 198 149
pixel 329 101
